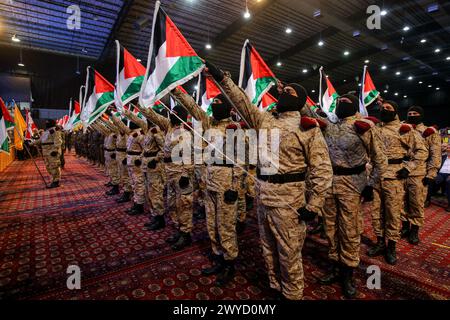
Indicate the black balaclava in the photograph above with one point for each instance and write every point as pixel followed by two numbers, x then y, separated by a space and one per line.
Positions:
pixel 415 119
pixel 180 113
pixel 347 106
pixel 287 102
pixel 133 126
pixel 388 116
pixel 50 123
pixel 221 110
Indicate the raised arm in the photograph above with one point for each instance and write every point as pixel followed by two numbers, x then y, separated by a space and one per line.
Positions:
pixel 157 119
pixel 141 123
pixel 247 110
pixel 119 124
pixel 192 107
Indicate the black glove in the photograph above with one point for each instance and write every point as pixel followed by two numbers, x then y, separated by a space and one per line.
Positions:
pixel 183 182
pixel 305 215
pixel 152 164
pixel 113 156
pixel 230 196
pixel 403 173
pixel 124 161
pixel 52 131
pixel 367 194
pixel 216 73
pixel 137 162
pixel 427 181
pixel 53 153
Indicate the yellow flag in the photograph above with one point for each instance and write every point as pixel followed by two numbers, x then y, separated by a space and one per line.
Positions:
pixel 21 126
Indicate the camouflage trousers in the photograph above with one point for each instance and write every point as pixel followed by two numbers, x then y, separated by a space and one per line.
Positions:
pixel 282 238
pixel 241 189
pixel 200 185
pixel 221 225
pixel 155 189
pixel 414 211
pixel 53 166
pixel 123 171
pixel 387 207
pixel 112 168
pixel 179 200
pixel 342 222
pixel 137 182
pixel 250 181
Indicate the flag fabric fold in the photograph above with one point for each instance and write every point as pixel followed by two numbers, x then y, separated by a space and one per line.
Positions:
pixel 327 96
pixel 368 93
pixel 171 61
pixel 5 119
pixel 21 127
pixel 206 92
pixel 255 76
pixel 30 125
pixel 268 102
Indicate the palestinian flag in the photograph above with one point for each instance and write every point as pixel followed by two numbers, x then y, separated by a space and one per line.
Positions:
pixel 5 119
pixel 30 125
pixel 255 77
pixel 130 76
pixel 75 118
pixel 368 93
pixel 310 102
pixel 206 92
pixel 99 95
pixel 268 102
pixel 135 110
pixel 171 61
pixel 327 95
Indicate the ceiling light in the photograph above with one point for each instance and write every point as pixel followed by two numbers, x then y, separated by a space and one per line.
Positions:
pixel 437 50
pixel 383 67
pixel 196 87
pixel 448 58
pixel 345 80
pixel 406 28
pixel 20 64
pixel 420 82
pixel 279 64
pixel 366 61
pixel 383 12
pixel 305 70
pixel 438 88
pixel 313 91
pixel 247 14
pixel 15 39
pixel 423 40
pixel 346 53
pixel 430 86
pixel 385 91
pixel 320 43
pixel 138 60
pixel 398 73
pixel 208 46
pixel 405 96
pixel 288 30
pixel 410 78
pixel 359 84
pixel 396 94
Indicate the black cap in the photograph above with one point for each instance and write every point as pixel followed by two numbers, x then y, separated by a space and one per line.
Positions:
pixel 417 109
pixel 301 93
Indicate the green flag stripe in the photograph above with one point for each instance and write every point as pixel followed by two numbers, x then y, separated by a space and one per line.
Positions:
pixel 370 97
pixel 261 86
pixel 134 88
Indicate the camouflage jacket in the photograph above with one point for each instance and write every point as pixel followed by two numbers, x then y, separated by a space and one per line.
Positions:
pixel 432 141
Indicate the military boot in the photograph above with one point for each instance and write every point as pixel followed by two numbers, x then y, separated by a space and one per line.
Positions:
pixel 318 228
pixel 183 241
pixel 109 184
pixel 240 227
pixel 131 208
pixel 405 229
pixel 156 223
pixel 217 266
pixel 348 287
pixel 126 197
pixel 248 203
pixel 114 190
pixel 200 213
pixel 136 210
pixel 391 255
pixel 173 238
pixel 227 273
pixel 413 237
pixel 378 249
pixel 331 277
pixel 54 184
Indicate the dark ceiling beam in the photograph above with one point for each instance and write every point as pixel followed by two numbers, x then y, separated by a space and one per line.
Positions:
pixel 237 25
pixel 121 16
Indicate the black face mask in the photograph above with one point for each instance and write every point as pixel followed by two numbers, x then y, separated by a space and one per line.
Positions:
pixel 220 111
pixel 287 102
pixel 414 119
pixel 174 120
pixel 387 116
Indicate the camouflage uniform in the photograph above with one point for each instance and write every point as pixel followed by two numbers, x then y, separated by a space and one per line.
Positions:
pixel 121 152
pixel 403 150
pixel 301 149
pixel 50 141
pixel 111 158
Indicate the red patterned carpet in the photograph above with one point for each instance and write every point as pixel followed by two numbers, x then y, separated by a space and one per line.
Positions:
pixel 42 231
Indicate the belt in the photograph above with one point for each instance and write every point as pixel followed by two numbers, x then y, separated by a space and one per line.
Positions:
pixel 110 150
pixel 167 160
pixel 340 171
pixel 282 178
pixel 227 165
pixel 399 160
pixel 47 143
pixel 150 154
pixel 121 149
pixel 134 153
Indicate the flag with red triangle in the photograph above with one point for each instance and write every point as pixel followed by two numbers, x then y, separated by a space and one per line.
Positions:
pixel 171 61
pixel 130 76
pixel 368 93
pixel 99 95
pixel 255 76
pixel 268 102
pixel 30 125
pixel 5 121
pixel 206 92
pixel 327 96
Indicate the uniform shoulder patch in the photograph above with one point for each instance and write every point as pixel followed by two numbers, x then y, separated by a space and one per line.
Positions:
pixel 51 131
pixel 154 130
pixel 135 134
pixel 363 125
pixel 243 125
pixel 373 119
pixel 405 128
pixel 308 123
pixel 428 132
pixel 322 124
pixel 114 136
